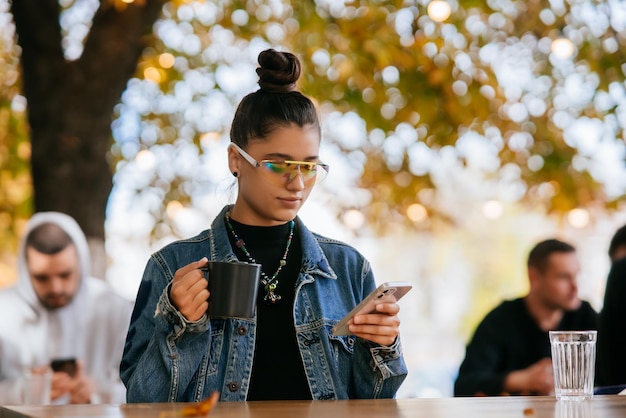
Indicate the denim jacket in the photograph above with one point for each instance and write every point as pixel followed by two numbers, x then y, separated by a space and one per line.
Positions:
pixel 169 359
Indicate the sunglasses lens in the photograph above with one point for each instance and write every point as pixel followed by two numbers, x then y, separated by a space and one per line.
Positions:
pixel 321 171
pixel 276 168
pixel 287 171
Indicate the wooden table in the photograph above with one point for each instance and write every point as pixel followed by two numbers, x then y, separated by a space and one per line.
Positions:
pixel 607 406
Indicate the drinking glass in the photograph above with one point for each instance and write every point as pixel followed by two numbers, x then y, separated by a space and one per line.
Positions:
pixel 573 361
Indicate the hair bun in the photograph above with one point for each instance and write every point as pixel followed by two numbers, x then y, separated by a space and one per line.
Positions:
pixel 279 71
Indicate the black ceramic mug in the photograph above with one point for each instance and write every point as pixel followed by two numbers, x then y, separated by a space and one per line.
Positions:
pixel 233 287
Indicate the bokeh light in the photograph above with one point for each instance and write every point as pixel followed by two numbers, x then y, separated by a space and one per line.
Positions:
pixel 417 213
pixel 209 138
pixel 562 48
pixel 492 209
pixel 152 74
pixel 145 160
pixel 353 219
pixel 174 207
pixel 166 60
pixel 439 10
pixel 578 218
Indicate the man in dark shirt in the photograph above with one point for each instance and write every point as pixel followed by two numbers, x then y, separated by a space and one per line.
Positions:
pixel 610 363
pixel 510 350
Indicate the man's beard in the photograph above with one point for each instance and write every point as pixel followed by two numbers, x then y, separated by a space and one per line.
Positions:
pixel 56 300
pixel 569 306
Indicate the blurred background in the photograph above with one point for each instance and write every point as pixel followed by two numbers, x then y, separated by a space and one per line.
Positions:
pixel 458 134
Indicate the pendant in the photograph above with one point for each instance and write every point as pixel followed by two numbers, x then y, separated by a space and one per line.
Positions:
pixel 270 296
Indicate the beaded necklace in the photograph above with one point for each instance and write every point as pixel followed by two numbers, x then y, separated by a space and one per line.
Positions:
pixel 269 284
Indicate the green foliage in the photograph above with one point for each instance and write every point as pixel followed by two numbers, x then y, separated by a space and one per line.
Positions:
pixel 484 82
pixel 391 64
pixel 487 71
pixel 362 43
pixel 15 181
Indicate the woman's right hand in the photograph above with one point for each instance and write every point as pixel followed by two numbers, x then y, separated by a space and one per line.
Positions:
pixel 189 293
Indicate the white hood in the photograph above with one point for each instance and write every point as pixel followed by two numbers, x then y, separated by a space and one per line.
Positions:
pixel 61 335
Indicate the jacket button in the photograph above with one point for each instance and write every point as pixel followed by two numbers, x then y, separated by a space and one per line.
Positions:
pixel 242 330
pixel 233 386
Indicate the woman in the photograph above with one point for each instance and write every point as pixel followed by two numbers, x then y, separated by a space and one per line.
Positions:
pixel 175 352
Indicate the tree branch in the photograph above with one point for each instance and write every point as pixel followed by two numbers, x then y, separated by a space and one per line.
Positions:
pixel 113 47
pixel 39 35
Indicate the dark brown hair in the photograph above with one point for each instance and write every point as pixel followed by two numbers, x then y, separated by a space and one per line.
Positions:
pixel 618 240
pixel 277 103
pixel 539 255
pixel 48 238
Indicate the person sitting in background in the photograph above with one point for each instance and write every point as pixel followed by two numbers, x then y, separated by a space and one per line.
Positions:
pixel 56 310
pixel 510 350
pixel 611 362
pixel 617 247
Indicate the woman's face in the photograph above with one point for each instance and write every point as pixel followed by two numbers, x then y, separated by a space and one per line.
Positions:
pixel 267 198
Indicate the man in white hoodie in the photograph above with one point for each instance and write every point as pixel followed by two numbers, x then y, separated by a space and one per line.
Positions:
pixel 57 311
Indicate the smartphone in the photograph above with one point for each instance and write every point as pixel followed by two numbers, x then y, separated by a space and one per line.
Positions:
pixel 385 293
pixel 67 365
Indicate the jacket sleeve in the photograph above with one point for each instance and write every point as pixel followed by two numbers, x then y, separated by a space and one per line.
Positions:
pixel 478 374
pixel 378 370
pixel 163 350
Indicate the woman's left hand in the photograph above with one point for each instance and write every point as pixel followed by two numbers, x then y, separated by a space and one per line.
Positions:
pixel 381 327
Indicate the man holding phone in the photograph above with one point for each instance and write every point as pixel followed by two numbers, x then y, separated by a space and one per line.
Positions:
pixel 60 319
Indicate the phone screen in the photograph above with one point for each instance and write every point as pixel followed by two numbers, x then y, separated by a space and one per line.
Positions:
pixel 67 365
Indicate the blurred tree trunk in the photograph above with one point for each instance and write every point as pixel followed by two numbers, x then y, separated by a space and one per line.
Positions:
pixel 70 105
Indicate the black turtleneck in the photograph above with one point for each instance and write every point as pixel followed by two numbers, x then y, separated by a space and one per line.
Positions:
pixel 277 370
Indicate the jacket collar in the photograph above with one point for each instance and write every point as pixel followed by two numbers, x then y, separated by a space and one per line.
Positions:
pixel 314 260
